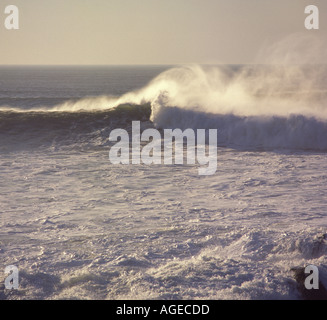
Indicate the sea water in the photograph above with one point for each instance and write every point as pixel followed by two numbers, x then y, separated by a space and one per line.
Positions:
pixel 78 227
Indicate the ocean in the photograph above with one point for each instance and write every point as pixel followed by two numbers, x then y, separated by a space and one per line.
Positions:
pixel 79 227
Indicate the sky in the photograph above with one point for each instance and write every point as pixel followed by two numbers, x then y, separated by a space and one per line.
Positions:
pixel 109 32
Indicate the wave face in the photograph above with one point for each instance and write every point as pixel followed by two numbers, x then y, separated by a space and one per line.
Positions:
pixel 62 129
pixel 265 107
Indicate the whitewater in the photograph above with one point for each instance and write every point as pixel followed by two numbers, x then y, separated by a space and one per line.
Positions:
pixel 79 227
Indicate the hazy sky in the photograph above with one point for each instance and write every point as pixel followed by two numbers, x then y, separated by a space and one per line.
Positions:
pixel 151 31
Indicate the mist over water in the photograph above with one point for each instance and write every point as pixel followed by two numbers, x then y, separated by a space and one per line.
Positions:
pixel 239 90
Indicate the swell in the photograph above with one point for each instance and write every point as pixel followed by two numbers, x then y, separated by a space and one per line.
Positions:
pixel 56 129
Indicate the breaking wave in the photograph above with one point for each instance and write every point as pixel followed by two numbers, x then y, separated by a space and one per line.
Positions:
pixel 268 107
